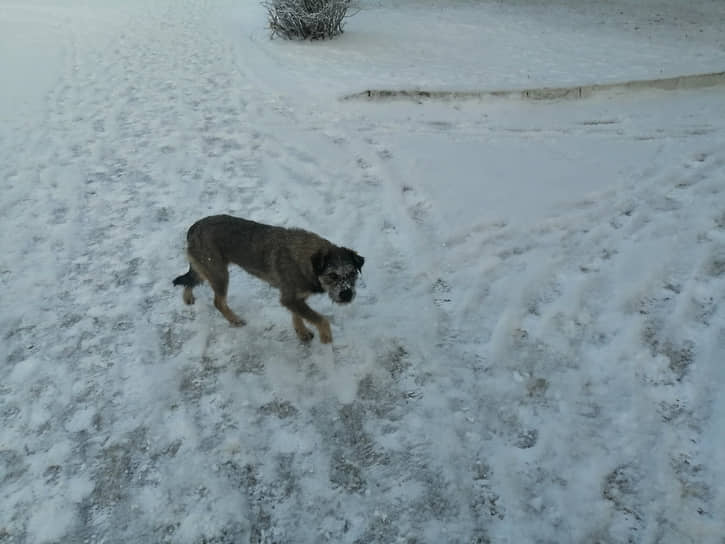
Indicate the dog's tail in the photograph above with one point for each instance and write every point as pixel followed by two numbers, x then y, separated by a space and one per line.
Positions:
pixel 190 279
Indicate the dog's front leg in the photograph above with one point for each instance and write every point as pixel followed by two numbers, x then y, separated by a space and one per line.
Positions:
pixel 300 310
pixel 303 333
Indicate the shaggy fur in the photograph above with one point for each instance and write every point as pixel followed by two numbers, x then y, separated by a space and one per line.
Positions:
pixel 297 262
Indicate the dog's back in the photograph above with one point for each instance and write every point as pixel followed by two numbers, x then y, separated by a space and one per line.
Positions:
pixel 269 252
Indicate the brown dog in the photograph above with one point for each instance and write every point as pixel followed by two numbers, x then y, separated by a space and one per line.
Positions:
pixel 297 262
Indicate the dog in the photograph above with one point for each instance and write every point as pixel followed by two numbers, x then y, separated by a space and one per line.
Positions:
pixel 297 262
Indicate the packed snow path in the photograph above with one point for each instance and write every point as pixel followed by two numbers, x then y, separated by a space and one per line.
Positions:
pixel 522 364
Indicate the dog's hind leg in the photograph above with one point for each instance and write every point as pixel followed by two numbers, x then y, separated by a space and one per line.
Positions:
pixel 188 295
pixel 220 303
pixel 212 268
pixel 219 282
pixel 189 280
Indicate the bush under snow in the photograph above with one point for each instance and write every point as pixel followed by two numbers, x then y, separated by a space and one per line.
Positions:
pixel 303 19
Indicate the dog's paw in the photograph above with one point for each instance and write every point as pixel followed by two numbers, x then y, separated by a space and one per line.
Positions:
pixel 305 335
pixel 237 322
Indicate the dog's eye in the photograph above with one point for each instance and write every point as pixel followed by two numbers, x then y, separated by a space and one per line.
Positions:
pixel 333 276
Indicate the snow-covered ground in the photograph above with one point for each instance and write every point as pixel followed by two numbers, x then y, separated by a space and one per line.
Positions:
pixel 536 354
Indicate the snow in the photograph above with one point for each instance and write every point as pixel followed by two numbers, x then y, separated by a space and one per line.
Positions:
pixel 535 353
pixel 471 45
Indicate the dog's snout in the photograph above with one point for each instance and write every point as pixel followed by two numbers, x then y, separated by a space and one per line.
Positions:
pixel 346 295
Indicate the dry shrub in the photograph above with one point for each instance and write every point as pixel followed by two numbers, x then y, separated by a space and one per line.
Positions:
pixel 307 19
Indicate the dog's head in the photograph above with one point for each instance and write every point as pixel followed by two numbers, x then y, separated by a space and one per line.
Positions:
pixel 337 270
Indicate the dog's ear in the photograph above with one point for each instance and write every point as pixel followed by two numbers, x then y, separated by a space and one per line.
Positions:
pixel 357 260
pixel 319 260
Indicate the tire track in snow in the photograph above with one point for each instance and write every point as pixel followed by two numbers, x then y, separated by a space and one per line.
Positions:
pixel 107 174
pixel 566 307
pixel 183 153
pixel 55 363
pixel 336 176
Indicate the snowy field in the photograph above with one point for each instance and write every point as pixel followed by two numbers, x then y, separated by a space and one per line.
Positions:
pixel 536 353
